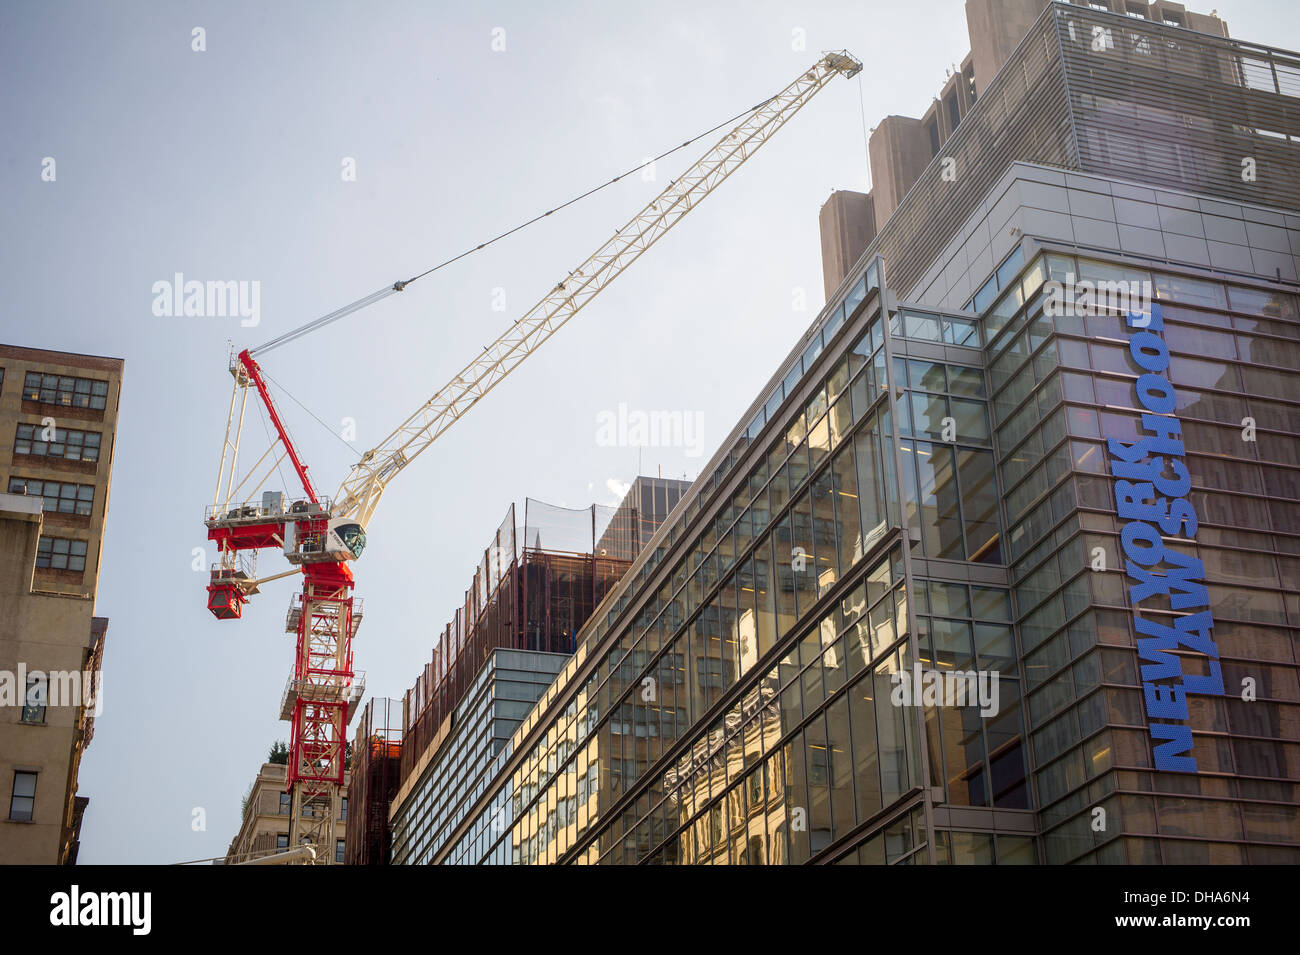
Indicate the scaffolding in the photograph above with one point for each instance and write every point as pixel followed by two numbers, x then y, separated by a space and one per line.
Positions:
pixel 533 589
pixel 531 597
pixel 376 761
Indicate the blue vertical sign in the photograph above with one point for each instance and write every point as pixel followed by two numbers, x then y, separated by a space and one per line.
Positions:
pixel 1151 484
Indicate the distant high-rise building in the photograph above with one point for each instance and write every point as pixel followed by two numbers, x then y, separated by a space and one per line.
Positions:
pixel 643 508
pixel 58 420
pixel 1010 541
pixel 848 224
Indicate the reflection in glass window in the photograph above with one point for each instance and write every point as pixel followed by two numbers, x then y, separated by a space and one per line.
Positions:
pixel 1182 288
pixel 960 331
pixel 870 463
pixel 985 295
pixel 927 375
pixel 1009 267
pixel 966 381
pixel 921 327
pixel 990 603
pixel 57 553
pixel 65 390
pixel 1204 374
pixel 58 497
pixel 940 518
pixel 1113 358
pixel 1075 354
pixel 979 505
pixel 1202 342
pixel 856 295
pixel 1256 301
pixel 928 413
pixel 972 421
pixel 1083 422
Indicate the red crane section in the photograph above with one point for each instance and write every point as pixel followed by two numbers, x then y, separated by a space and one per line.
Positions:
pixel 323 690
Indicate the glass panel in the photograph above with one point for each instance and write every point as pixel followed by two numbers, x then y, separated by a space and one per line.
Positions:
pixel 866 768
pixel 961 331
pixel 927 375
pixel 966 381
pixel 847 514
pixel 928 412
pixel 1009 267
pixel 988 603
pixel 939 513
pixel 855 296
pixel 972 421
pixel 921 327
pixel 1180 288
pixel 803 552
pixel 1262 302
pixel 870 490
pixel 824 531
pixel 812 351
pixel 985 295
pixel 979 505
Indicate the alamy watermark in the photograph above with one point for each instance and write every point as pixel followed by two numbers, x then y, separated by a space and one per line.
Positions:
pixel 52 688
pixel 180 298
pixel 626 428
pixel 1078 298
pixel 127 909
pixel 946 688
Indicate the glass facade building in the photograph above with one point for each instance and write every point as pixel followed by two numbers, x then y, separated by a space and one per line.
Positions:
pixel 930 484
pixel 1064 388
pixel 502 693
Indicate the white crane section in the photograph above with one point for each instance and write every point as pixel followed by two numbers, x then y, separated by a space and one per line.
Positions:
pixel 359 494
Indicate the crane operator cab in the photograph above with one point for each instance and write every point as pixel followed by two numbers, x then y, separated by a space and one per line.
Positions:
pixel 307 541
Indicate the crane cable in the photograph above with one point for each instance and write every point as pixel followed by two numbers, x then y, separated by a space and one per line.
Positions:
pixel 347 444
pixel 325 319
pixel 261 416
pixel 383 293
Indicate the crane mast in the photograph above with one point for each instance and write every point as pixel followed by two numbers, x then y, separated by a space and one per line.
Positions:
pixel 319 536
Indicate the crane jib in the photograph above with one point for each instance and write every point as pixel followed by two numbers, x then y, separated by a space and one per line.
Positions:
pixel 366 482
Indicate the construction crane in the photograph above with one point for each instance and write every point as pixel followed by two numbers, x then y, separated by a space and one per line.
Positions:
pixel 319 536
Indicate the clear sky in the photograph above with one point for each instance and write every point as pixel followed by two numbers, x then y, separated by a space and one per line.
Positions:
pixel 226 164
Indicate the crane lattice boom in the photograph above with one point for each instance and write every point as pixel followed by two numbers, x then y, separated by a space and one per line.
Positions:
pixel 360 492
